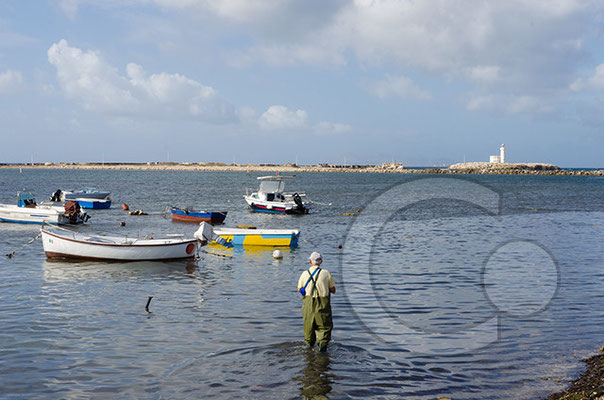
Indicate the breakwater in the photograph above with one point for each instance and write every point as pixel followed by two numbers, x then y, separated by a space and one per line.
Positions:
pixel 462 168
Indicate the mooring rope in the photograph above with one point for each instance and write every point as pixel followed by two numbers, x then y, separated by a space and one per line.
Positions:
pixel 12 253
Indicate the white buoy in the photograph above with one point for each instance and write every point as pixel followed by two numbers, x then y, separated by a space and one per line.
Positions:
pixel 278 254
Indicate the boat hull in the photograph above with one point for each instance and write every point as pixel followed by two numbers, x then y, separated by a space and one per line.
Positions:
pixel 60 246
pixel 260 237
pixel 269 209
pixel 31 215
pixel 94 203
pixel 211 217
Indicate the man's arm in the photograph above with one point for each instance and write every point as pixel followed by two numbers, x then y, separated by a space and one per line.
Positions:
pixel 332 285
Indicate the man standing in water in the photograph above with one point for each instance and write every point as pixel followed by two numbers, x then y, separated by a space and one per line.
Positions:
pixel 316 286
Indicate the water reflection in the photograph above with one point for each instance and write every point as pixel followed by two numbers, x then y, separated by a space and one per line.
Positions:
pixel 314 379
pixel 252 255
pixel 65 270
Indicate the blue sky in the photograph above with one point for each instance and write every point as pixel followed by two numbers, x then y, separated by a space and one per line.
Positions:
pixel 368 81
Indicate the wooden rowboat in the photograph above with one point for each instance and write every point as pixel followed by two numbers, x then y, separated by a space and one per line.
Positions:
pixel 65 243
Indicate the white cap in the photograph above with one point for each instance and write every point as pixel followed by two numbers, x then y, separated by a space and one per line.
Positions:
pixel 315 258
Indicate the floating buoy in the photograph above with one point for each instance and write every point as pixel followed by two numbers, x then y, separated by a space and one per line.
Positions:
pixel 122 223
pixel 339 246
pixel 277 254
pixel 137 212
pixel 125 207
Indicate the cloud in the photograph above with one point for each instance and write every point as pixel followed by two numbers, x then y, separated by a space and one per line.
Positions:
pixel 86 77
pixel 595 82
pixel 70 8
pixel 480 103
pixel 10 80
pixel 484 73
pixel 272 20
pixel 281 118
pixel 533 46
pixel 511 104
pixel 399 86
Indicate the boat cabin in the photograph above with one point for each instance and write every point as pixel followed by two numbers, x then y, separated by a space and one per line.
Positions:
pixel 271 188
pixel 25 199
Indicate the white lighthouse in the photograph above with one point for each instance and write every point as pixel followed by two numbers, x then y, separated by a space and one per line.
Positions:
pixel 500 158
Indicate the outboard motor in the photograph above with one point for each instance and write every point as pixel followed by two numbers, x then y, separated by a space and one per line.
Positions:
pixel 73 212
pixel 56 195
pixel 298 200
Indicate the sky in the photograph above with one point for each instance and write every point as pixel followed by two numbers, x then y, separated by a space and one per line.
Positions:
pixel 423 83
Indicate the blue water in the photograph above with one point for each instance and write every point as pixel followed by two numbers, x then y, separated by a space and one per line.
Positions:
pixel 483 287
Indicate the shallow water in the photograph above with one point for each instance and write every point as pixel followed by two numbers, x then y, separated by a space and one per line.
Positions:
pixel 471 288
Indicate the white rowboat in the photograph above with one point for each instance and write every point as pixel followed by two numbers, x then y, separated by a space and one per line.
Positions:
pixel 65 243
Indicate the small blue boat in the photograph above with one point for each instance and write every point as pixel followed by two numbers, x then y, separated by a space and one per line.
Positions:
pixel 94 203
pixel 190 215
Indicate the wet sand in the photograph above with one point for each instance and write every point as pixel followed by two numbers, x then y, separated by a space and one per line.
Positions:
pixel 465 168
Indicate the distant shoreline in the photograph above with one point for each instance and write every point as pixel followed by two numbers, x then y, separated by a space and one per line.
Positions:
pixel 465 168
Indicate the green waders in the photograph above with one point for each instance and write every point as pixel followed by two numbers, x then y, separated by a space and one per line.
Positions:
pixel 316 312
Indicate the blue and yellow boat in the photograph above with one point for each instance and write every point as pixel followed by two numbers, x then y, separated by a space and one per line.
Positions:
pixel 259 237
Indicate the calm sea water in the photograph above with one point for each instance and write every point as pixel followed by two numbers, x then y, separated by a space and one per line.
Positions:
pixel 487 287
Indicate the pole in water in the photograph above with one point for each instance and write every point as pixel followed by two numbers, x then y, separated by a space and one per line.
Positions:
pixel 148 302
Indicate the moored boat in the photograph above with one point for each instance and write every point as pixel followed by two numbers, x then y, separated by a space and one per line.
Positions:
pixel 86 193
pixel 190 215
pixel 259 237
pixel 27 211
pixel 270 197
pixel 65 243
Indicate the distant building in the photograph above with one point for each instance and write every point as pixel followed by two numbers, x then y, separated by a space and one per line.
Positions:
pixel 500 158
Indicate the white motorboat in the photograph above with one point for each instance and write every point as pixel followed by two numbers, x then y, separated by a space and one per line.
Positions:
pixel 65 243
pixel 270 197
pixel 27 211
pixel 86 193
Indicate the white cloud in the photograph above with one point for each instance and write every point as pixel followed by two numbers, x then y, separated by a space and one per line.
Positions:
pixel 86 77
pixel 69 7
pixel 10 80
pixel 281 118
pixel 484 73
pixel 510 104
pixel 399 86
pixel 532 45
pixel 479 103
pixel 595 82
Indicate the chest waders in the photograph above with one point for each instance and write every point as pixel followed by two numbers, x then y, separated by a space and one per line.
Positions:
pixel 316 312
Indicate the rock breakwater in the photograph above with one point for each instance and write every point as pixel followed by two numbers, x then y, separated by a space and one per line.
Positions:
pixel 465 168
